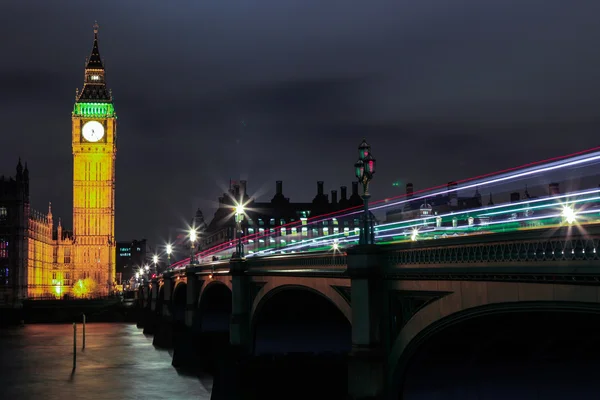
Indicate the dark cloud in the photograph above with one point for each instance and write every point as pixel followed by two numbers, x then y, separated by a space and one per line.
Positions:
pixel 208 91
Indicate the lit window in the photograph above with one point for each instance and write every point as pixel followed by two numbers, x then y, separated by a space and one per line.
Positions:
pixel 3 213
pixel 294 231
pixel 95 77
pixel 283 231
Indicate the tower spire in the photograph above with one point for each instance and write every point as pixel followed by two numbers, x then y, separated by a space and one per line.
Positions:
pixel 94 61
pixel 94 86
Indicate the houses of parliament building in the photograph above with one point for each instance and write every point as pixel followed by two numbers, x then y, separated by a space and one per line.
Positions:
pixel 40 259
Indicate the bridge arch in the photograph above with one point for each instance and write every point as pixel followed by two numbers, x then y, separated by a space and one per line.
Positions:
pixel 327 291
pixel 292 316
pixel 179 302
pixel 142 298
pixel 160 300
pixel 214 307
pixel 452 314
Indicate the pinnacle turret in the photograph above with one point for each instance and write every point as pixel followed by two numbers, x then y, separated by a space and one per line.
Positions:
pixel 94 61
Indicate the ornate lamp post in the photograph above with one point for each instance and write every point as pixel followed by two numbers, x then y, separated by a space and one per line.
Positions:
pixel 155 261
pixel 239 217
pixel 169 251
pixel 364 170
pixel 193 238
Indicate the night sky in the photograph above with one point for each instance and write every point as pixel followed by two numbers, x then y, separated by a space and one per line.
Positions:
pixel 285 90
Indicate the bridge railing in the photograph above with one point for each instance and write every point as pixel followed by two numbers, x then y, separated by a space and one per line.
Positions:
pixel 570 243
pixel 323 262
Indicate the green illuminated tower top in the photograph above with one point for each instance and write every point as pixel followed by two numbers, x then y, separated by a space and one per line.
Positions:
pixel 94 100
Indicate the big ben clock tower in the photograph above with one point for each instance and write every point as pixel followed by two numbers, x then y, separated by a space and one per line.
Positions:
pixel 94 134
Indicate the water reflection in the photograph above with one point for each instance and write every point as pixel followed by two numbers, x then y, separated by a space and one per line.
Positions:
pixel 119 362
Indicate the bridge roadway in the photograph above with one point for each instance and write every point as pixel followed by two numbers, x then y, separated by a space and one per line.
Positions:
pixel 394 297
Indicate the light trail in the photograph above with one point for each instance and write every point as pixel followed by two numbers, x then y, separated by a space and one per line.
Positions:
pixel 403 227
pixel 552 164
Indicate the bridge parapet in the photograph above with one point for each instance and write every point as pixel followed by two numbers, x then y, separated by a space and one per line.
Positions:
pixel 565 244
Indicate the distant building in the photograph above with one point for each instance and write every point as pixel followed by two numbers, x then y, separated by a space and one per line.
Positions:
pixel 131 256
pixel 434 205
pixel 35 259
pixel 270 217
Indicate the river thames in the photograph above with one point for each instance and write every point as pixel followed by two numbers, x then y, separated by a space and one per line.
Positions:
pixel 118 362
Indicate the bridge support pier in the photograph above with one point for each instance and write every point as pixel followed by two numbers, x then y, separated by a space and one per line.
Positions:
pixel 239 327
pixel 366 362
pixel 163 337
pixel 228 377
pixel 188 341
pixel 150 315
pixel 143 303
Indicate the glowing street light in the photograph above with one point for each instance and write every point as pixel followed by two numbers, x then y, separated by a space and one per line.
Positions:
pixel 569 214
pixel 239 216
pixel 414 236
pixel 193 238
pixel 364 170
pixel 155 261
pixel 169 251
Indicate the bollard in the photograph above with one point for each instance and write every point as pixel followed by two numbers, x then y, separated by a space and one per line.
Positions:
pixel 74 345
pixel 83 331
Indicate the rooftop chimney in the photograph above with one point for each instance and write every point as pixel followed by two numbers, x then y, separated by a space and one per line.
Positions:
pixel 242 189
pixel 409 190
pixel 320 188
pixel 334 197
pixel 553 189
pixel 453 196
pixel 279 188
pixel 355 188
pixel 515 196
pixel 343 193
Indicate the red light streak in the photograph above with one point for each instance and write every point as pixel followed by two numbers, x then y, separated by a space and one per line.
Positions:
pixel 332 214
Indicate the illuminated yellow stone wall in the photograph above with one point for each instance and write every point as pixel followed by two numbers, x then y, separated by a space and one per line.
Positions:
pixel 62 265
pixel 94 204
pixel 39 257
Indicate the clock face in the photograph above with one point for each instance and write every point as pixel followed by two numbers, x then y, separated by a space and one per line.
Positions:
pixel 93 131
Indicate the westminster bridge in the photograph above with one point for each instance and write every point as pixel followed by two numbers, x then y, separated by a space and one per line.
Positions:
pixel 376 312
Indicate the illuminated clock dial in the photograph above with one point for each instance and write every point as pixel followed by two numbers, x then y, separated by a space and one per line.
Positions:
pixel 93 131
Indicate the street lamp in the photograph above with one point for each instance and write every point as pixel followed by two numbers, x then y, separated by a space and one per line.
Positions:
pixel 239 217
pixel 169 251
pixel 193 238
pixel 364 170
pixel 155 261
